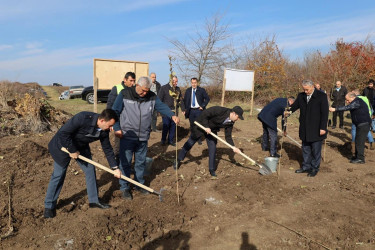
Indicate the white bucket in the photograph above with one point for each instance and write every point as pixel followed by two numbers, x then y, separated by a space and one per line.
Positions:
pixel 271 162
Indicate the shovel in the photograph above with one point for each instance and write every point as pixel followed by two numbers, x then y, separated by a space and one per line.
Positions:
pixel 264 170
pixel 296 142
pixel 122 176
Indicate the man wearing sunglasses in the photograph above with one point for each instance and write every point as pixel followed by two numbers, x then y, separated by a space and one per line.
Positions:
pixel 135 106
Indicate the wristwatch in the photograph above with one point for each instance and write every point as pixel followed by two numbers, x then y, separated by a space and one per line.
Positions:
pixel 114 168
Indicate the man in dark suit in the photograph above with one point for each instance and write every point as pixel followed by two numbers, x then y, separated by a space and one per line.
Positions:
pixel 195 100
pixel 268 116
pixel 155 87
pixel 338 94
pixel 75 136
pixel 313 106
pixel 213 119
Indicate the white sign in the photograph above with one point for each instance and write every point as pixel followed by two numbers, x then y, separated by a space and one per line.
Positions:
pixel 239 80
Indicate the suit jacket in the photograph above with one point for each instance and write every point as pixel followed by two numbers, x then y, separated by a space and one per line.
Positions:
pixel 202 98
pixel 313 116
pixel 271 111
pixel 76 134
pixel 214 118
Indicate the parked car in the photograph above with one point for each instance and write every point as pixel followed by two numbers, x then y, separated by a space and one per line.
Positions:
pixel 64 95
pixel 56 84
pixel 75 91
pixel 88 94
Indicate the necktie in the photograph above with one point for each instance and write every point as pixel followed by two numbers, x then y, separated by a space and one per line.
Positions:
pixel 193 103
pixel 308 98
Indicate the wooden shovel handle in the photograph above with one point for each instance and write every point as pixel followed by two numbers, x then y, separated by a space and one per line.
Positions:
pixel 110 171
pixel 226 143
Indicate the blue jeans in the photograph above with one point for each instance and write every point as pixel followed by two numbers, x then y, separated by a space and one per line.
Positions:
pixel 370 138
pixel 127 149
pixel 169 128
pixel 57 180
pixel 311 152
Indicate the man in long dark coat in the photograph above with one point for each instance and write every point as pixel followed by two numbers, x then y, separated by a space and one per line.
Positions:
pixel 313 106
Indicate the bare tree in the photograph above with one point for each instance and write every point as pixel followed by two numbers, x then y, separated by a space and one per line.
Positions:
pixel 204 52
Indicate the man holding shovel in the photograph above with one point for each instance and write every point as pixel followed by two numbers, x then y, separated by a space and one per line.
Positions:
pixel 135 106
pixel 213 119
pixel 75 135
pixel 268 116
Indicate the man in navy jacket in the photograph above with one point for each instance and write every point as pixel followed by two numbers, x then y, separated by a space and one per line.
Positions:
pixel 268 116
pixel 75 136
pixel 195 101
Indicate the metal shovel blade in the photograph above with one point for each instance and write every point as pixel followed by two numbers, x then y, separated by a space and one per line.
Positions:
pixel 264 169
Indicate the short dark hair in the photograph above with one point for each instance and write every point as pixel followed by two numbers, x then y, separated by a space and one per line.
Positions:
pixel 108 114
pixel 194 78
pixel 371 81
pixel 132 74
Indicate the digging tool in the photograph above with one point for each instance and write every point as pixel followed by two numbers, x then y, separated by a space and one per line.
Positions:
pixel 296 142
pixel 264 170
pixel 122 176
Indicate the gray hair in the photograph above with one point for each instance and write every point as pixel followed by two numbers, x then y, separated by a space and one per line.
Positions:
pixel 351 95
pixel 153 73
pixel 307 83
pixel 144 81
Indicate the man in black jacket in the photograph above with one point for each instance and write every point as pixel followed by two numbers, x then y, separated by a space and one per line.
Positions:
pixel 369 92
pixel 75 136
pixel 213 119
pixel 361 119
pixel 338 94
pixel 313 106
pixel 195 101
pixel 155 87
pixel 129 80
pixel 165 95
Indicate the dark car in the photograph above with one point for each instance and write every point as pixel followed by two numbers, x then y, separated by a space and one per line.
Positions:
pixel 88 94
pixel 56 84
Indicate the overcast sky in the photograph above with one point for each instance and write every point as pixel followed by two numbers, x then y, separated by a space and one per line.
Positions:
pixel 56 41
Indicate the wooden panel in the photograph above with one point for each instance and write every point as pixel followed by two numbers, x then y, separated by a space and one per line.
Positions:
pixel 112 72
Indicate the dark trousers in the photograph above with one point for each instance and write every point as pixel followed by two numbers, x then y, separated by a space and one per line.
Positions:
pixel 341 117
pixel 211 143
pixel 57 180
pixel 269 136
pixel 169 129
pixel 311 152
pixel 360 139
pixel 154 120
pixel 193 115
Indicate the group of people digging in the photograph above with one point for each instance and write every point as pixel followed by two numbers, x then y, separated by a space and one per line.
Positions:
pixel 132 117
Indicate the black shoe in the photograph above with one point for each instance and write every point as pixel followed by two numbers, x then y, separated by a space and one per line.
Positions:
pixel 126 195
pixel 162 143
pixel 99 205
pixel 143 191
pixel 312 173
pixel 342 127
pixel 275 155
pixel 301 171
pixel 172 144
pixel 353 157
pixel 49 213
pixel 213 174
pixel 357 161
pixel 176 165
pixel 333 127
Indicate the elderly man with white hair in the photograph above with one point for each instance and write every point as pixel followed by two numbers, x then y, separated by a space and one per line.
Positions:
pixel 313 106
pixel 134 106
